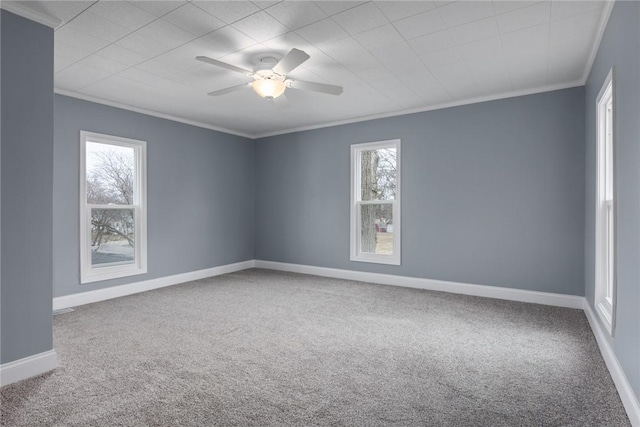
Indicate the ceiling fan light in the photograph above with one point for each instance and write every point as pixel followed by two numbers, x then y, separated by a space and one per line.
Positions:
pixel 269 88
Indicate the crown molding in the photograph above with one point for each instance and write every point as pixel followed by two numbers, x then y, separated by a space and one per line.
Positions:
pixel 604 20
pixel 503 95
pixel 128 107
pixel 25 12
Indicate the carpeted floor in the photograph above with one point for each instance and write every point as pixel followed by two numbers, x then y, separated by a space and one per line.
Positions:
pixel 275 349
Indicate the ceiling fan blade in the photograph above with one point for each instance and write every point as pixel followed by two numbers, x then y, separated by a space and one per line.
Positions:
pixel 316 87
pixel 229 89
pixel 224 65
pixel 291 60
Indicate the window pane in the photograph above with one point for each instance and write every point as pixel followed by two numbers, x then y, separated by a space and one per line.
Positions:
pixel 110 174
pixel 378 174
pixel 112 237
pixel 376 228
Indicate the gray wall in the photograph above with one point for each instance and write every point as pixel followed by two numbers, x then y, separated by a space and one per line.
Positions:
pixel 620 48
pixel 27 171
pixel 492 193
pixel 200 186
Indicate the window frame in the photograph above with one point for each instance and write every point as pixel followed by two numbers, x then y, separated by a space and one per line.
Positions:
pixel 606 211
pixel 356 194
pixel 88 273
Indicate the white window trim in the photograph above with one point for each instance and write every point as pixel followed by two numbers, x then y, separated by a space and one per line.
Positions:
pixel 605 307
pixel 87 273
pixel 356 255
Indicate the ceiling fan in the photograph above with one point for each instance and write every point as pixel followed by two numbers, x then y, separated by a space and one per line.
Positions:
pixel 269 78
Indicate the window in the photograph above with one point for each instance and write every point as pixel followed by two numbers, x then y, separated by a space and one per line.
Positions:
pixel 375 202
pixel 112 207
pixel 605 280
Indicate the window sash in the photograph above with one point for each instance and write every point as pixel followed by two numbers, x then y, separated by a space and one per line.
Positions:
pixel 605 233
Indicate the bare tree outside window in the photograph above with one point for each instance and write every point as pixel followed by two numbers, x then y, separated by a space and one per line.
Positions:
pixel 378 173
pixel 110 182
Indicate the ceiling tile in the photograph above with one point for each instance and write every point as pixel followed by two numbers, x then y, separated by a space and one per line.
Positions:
pixel 375 74
pixel 146 46
pixel 183 57
pixel 264 3
pixel 503 6
pixel 568 44
pixel 425 85
pixel 562 9
pixel 78 76
pixel 158 8
pixel 334 7
pixel 518 43
pixel 122 13
pixel 322 32
pixel 395 10
pixel 260 26
pixel 462 12
pixel 296 14
pixel 487 49
pixel 474 31
pixel 432 42
pixel 103 64
pixel 342 49
pixel 66 55
pixel 140 76
pixel 405 66
pixel 394 53
pixel 455 79
pixel 90 23
pixel 363 61
pixel 390 66
pixel 192 20
pixel 361 18
pixel 288 41
pixel 379 37
pixel 420 25
pixel 441 57
pixel 122 54
pixel 225 41
pixel 523 18
pixel 228 11
pixel 166 33
pixel 79 39
pixel 158 68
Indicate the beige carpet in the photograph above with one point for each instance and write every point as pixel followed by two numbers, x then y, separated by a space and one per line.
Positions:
pixel 274 349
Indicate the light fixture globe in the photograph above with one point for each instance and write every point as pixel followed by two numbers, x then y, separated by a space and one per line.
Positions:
pixel 269 88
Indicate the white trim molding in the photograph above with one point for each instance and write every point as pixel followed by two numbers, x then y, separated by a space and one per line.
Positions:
pixel 602 26
pixel 28 367
pixel 89 297
pixel 535 297
pixel 146 112
pixel 627 395
pixel 28 13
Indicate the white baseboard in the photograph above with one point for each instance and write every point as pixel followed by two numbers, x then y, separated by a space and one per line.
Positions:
pixel 28 367
pixel 627 395
pixel 89 297
pixel 546 298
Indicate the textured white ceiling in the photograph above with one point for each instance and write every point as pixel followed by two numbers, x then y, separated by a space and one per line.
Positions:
pixel 390 56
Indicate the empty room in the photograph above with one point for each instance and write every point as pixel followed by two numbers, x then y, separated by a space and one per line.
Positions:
pixel 344 213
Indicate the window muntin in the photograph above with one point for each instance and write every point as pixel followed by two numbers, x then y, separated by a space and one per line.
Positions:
pixel 112 207
pixel 375 202
pixel 605 279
